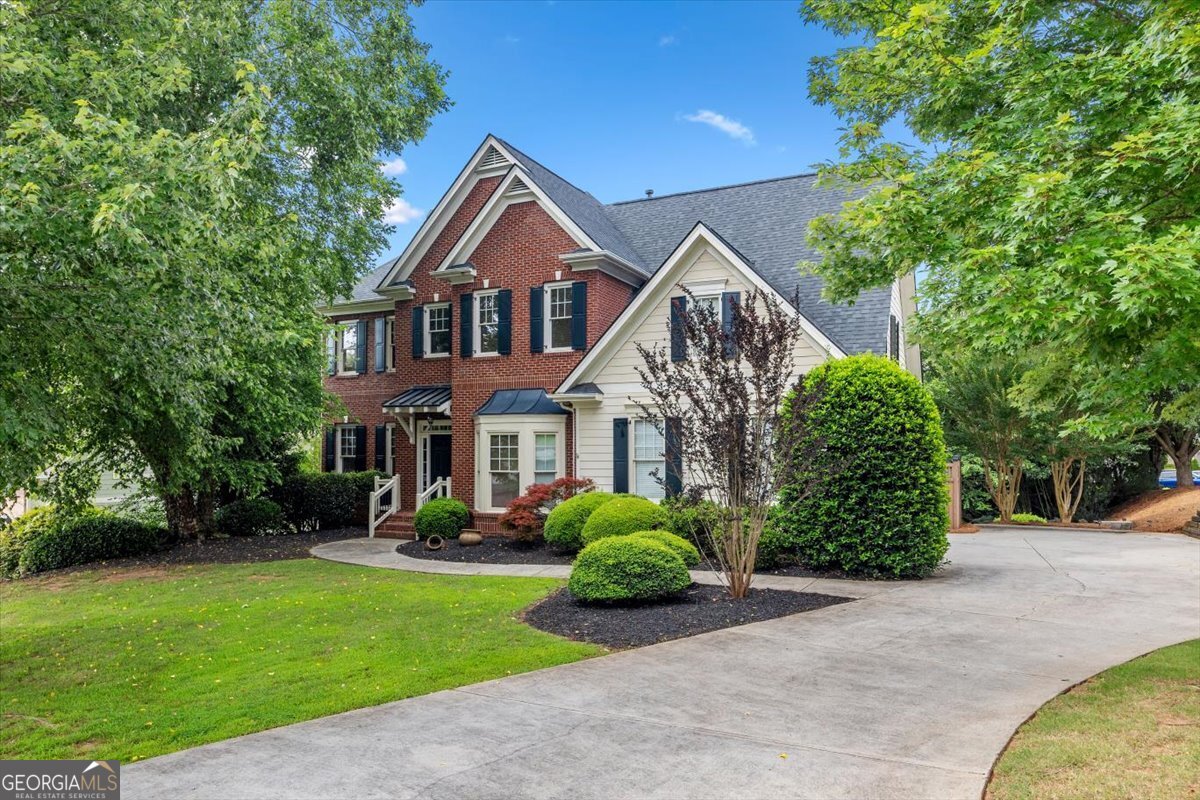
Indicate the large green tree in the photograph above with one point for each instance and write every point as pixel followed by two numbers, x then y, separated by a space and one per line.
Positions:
pixel 1051 197
pixel 180 184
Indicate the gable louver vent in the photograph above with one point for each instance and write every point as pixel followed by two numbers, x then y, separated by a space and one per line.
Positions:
pixel 518 186
pixel 492 160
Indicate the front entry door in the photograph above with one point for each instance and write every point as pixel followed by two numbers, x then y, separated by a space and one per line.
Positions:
pixel 439 457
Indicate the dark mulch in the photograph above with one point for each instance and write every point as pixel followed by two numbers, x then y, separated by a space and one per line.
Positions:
pixel 698 610
pixel 234 550
pixel 492 550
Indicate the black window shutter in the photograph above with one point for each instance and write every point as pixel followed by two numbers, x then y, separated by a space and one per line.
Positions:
pixel 621 454
pixel 360 357
pixel 535 319
pixel 579 315
pixel 465 337
pixel 418 331
pixel 381 448
pixel 674 456
pixel 331 443
pixel 728 300
pixel 678 335
pixel 380 343
pixel 504 309
pixel 360 448
pixel 894 338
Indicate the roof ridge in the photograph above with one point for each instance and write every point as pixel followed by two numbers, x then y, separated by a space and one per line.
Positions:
pixel 715 188
pixel 523 154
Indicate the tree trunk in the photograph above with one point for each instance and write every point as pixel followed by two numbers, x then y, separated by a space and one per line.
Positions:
pixel 189 513
pixel 1181 446
pixel 1005 488
pixel 1068 489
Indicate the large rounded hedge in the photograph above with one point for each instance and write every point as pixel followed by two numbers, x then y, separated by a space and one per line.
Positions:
pixel 627 569
pixel 564 524
pixel 92 535
pixel 442 516
pixel 682 547
pixel 622 516
pixel 878 499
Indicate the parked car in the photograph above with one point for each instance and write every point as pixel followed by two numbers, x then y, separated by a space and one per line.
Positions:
pixel 1166 478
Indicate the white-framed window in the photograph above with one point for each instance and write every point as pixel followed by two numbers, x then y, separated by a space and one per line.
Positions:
pixel 389 437
pixel 487 323
pixel 437 330
pixel 504 467
pixel 545 457
pixel 389 344
pixel 648 449
pixel 347 452
pixel 515 451
pixel 558 312
pixel 347 348
pixel 709 301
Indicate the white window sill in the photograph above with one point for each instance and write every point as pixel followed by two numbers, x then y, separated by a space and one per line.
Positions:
pixel 350 374
pixel 437 355
pixel 559 350
pixel 484 355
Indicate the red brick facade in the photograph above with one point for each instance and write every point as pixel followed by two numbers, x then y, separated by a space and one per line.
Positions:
pixel 519 251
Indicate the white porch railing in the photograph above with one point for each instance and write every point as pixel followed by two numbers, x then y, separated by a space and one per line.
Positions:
pixel 439 488
pixel 383 502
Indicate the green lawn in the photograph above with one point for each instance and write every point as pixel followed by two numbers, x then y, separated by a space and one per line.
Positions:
pixel 134 664
pixel 1133 731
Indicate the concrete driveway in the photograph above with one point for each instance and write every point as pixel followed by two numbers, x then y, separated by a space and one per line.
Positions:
pixel 910 692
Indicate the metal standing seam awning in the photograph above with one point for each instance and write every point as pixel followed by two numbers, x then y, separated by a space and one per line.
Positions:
pixel 519 401
pixel 418 400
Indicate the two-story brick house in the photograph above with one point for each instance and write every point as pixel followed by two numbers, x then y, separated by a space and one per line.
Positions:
pixel 498 350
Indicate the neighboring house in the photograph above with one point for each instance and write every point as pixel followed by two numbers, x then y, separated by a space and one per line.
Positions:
pixel 499 349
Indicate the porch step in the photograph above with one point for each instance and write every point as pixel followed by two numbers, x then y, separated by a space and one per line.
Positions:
pixel 397 526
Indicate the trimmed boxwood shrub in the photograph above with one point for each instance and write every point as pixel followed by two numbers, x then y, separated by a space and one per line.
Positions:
pixel 879 506
pixel 622 516
pixel 91 536
pixel 443 516
pixel 255 516
pixel 621 569
pixel 564 524
pixel 682 547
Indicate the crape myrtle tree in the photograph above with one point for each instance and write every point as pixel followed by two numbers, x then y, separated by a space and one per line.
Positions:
pixel 974 393
pixel 181 184
pixel 718 409
pixel 1051 197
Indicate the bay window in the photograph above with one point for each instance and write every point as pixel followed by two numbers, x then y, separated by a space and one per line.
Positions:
pixel 504 468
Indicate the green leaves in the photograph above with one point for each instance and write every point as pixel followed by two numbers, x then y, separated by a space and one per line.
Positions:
pixel 1053 197
pixel 163 236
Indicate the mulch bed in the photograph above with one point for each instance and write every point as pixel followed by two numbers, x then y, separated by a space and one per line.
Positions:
pixel 698 610
pixel 492 550
pixel 234 550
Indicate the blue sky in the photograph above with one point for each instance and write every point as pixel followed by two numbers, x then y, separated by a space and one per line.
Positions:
pixel 620 97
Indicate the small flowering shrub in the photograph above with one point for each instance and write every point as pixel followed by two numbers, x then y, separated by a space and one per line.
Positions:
pixel 526 516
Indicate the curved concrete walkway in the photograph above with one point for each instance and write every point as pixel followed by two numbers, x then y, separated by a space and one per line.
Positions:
pixel 910 692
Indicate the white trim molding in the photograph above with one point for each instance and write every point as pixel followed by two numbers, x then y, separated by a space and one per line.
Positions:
pixel 683 256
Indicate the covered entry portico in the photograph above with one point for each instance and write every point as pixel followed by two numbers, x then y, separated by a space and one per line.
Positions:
pixel 423 414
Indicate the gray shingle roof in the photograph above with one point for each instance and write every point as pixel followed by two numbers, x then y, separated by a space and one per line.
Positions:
pixel 586 211
pixel 766 221
pixel 420 397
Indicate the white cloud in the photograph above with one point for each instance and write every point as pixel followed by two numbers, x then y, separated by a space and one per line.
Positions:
pixel 394 167
pixel 667 41
pixel 509 39
pixel 730 127
pixel 401 212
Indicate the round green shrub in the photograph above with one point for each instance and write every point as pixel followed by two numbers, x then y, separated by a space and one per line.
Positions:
pixel 775 545
pixel 91 536
pixel 564 524
pixel 1025 519
pixel 18 533
pixel 622 516
pixel 878 499
pixel 692 520
pixel 682 547
pixel 255 516
pixel 627 569
pixel 442 516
